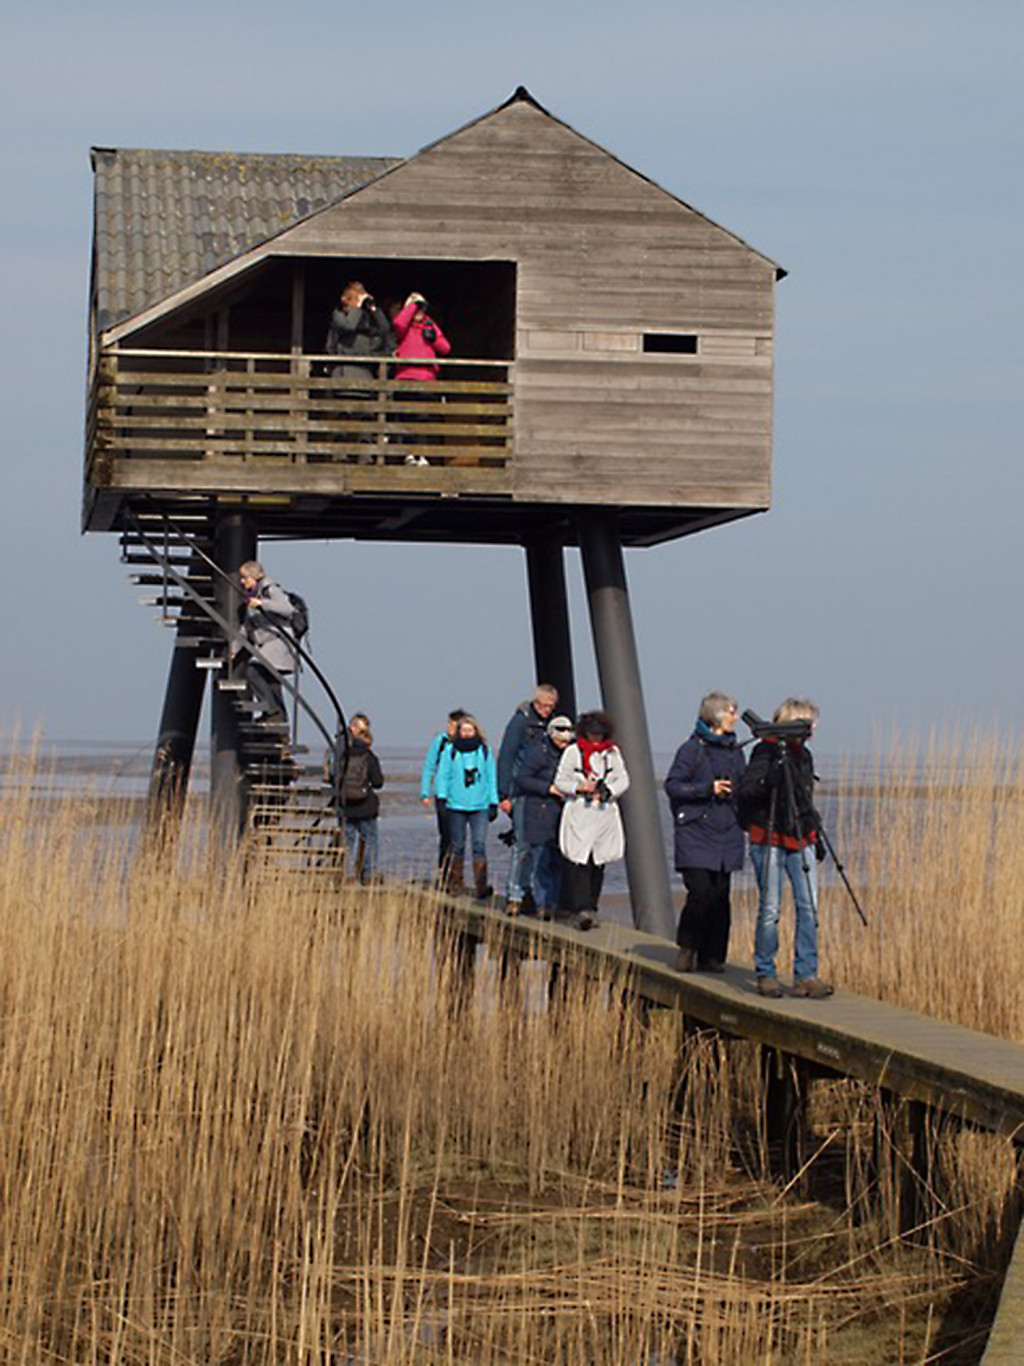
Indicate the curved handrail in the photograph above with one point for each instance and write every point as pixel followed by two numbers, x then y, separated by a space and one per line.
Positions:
pixel 338 743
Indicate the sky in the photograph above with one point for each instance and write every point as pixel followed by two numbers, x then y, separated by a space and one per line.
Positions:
pixel 874 150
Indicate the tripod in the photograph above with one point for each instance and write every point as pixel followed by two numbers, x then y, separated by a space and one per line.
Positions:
pixel 787 782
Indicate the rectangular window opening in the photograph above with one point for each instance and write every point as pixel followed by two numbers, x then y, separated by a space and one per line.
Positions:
pixel 670 343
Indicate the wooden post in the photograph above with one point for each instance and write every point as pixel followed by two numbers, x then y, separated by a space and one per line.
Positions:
pixel 619 670
pixel 786 1080
pixel 549 617
pixel 234 543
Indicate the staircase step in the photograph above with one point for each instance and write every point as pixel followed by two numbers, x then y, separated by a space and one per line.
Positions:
pixel 200 582
pixel 210 663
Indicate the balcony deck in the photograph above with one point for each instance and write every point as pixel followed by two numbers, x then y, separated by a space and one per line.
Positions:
pixel 225 422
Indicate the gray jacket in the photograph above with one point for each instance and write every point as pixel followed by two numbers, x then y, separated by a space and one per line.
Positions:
pixel 258 627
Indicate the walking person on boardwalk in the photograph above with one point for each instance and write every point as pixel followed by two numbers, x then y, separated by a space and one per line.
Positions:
pixel 428 779
pixel 592 777
pixel 467 784
pixel 527 722
pixel 358 805
pixel 777 806
pixel 702 787
pixel 542 803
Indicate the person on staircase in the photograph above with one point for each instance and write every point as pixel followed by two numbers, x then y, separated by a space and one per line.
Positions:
pixel 467 783
pixel 266 615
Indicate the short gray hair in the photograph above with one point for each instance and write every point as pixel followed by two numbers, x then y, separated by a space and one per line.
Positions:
pixel 796 709
pixel 545 692
pixel 715 706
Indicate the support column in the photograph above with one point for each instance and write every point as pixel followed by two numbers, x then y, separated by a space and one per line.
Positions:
pixel 234 543
pixel 176 741
pixel 619 670
pixel 549 617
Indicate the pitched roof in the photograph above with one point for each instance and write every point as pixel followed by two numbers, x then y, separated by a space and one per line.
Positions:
pixel 165 219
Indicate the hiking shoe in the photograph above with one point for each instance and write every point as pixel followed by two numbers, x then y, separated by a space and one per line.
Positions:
pixel 587 920
pixel 812 989
pixel 710 965
pixel 513 907
pixel 769 986
pixel 685 961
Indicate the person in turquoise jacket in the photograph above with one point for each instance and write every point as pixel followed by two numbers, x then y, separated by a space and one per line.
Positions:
pixel 428 780
pixel 466 781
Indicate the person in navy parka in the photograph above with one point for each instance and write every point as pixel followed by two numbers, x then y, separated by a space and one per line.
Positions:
pixel 702 785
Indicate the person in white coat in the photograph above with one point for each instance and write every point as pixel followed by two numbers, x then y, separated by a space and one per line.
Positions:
pixel 592 777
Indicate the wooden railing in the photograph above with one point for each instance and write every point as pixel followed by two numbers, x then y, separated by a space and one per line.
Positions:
pixel 243 406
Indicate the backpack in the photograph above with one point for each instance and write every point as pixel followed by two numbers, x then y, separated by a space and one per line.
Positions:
pixel 355 778
pixel 298 624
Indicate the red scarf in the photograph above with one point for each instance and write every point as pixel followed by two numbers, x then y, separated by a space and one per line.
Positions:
pixel 588 748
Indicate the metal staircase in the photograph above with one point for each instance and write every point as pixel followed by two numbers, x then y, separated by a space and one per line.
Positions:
pixel 288 796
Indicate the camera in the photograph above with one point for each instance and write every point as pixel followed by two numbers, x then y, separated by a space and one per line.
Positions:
pixel 430 334
pixel 776 730
pixel 602 791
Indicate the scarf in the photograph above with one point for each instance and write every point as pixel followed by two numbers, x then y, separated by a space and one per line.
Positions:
pixel 588 748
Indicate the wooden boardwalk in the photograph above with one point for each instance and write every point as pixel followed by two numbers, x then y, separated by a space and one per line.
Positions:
pixel 972 1077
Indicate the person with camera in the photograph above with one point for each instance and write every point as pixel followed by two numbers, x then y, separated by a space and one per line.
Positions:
pixel 701 786
pixel 359 331
pixel 777 806
pixel 592 777
pixel 466 781
pixel 420 341
pixel 542 810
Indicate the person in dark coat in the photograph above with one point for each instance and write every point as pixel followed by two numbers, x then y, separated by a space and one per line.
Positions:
pixel 358 804
pixel 527 722
pixel 780 815
pixel 702 787
pixel 542 811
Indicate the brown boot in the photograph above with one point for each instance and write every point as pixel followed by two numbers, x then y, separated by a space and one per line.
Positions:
pixel 685 960
pixel 453 883
pixel 483 889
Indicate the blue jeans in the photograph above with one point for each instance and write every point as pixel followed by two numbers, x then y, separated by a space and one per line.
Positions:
pixel 547 874
pixel 805 900
pixel 459 824
pixel 361 833
pixel 521 867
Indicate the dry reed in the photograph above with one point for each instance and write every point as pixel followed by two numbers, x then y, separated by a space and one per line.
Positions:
pixel 247 1121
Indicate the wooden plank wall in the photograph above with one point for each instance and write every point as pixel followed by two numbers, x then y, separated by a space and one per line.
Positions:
pixel 603 256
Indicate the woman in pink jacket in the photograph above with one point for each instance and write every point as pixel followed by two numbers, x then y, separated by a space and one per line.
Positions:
pixel 420 341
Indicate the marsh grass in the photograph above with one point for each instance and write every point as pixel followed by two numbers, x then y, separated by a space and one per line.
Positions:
pixel 246 1121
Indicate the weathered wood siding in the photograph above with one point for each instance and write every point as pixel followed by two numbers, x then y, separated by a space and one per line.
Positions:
pixel 603 257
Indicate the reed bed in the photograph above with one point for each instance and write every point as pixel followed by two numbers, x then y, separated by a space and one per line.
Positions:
pixel 249 1121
